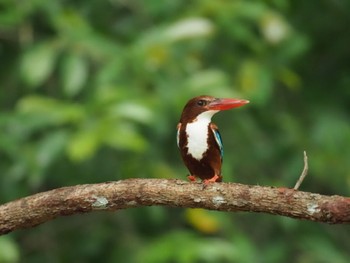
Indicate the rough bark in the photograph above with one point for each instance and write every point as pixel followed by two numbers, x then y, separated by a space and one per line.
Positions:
pixel 230 197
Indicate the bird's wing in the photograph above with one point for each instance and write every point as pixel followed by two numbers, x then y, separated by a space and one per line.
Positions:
pixel 178 134
pixel 217 137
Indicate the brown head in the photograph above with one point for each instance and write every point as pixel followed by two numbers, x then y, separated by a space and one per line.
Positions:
pixel 200 104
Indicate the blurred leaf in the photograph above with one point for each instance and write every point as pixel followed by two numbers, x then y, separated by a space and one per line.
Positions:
pixel 290 78
pixel 162 249
pixel 255 81
pixel 86 141
pixel 132 111
pixel 274 28
pixel 38 63
pixel 9 251
pixel 71 23
pixel 83 144
pixel 330 130
pixel 252 10
pixel 206 80
pixel 125 136
pixel 321 250
pixel 75 74
pixel 163 170
pixel 294 47
pixel 184 247
pixel 112 71
pixel 203 220
pixel 188 28
pixel 79 36
pixel 50 111
pixel 50 147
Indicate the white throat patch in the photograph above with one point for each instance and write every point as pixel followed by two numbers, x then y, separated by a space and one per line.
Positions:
pixel 197 134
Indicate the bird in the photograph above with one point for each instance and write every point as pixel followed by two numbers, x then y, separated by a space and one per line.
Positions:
pixel 199 140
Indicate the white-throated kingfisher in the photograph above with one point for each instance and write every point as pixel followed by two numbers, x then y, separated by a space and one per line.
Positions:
pixel 199 139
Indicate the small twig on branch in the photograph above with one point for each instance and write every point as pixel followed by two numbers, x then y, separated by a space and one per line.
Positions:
pixel 303 174
pixel 230 197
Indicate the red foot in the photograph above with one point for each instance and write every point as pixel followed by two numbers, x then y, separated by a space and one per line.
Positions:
pixel 215 178
pixel 192 178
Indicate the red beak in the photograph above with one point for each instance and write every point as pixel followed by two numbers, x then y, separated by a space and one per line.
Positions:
pixel 226 104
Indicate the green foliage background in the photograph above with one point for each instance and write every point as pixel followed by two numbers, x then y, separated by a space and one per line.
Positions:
pixel 91 91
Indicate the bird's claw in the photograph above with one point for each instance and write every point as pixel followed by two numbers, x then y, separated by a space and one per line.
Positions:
pixel 192 178
pixel 206 182
pixel 214 179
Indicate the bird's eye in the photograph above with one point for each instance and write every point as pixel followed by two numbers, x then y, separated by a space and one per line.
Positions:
pixel 201 103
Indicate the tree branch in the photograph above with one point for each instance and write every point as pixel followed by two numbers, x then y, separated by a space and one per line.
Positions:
pixel 231 197
pixel 303 174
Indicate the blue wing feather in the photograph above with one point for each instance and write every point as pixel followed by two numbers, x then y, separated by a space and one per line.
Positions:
pixel 218 140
